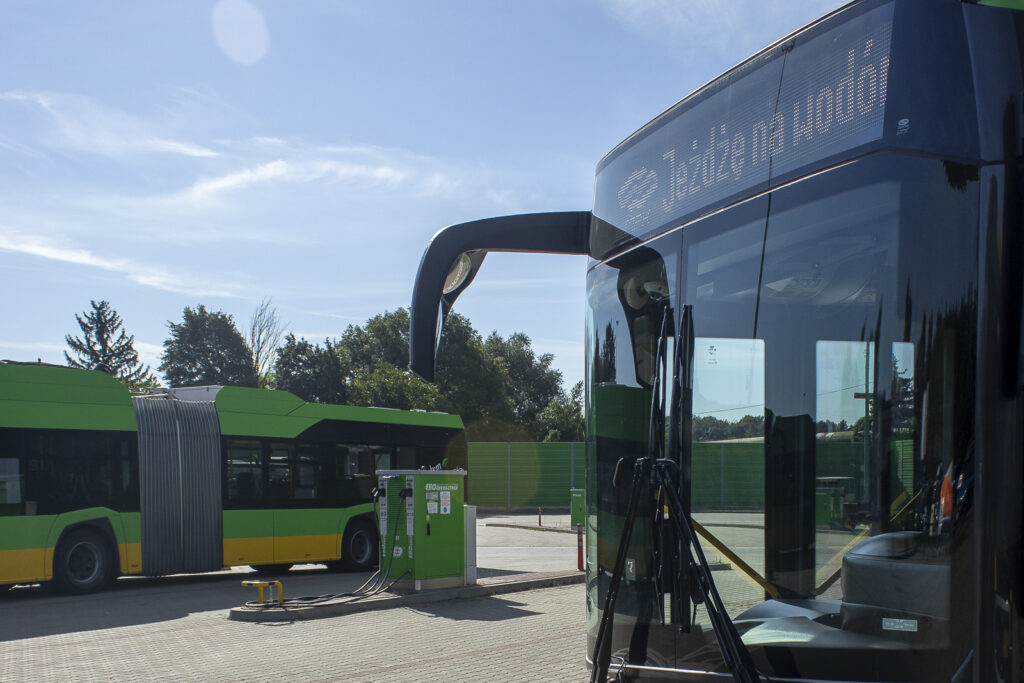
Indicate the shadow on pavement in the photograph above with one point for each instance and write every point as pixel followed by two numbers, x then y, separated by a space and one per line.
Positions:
pixel 34 611
pixel 481 609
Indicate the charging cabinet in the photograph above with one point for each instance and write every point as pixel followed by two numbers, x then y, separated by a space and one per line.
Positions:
pixel 422 528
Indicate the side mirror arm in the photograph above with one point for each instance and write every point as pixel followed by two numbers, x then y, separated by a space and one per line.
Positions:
pixel 566 232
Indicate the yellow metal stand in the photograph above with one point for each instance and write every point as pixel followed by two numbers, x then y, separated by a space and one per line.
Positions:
pixel 260 585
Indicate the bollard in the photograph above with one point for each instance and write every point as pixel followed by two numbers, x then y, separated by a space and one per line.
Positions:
pixel 579 546
pixel 538 518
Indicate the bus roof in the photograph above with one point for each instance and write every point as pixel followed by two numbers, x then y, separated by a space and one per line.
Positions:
pixel 39 396
pixel 261 412
pixel 53 397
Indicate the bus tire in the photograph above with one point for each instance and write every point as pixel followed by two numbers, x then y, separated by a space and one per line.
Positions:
pixel 359 546
pixel 83 562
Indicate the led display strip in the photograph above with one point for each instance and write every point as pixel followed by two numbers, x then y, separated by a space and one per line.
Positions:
pixel 751 128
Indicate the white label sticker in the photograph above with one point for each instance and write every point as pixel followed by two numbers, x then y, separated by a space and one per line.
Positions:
pixel 398 551
pixel 431 495
pixel 431 507
pixel 446 502
pixel 899 625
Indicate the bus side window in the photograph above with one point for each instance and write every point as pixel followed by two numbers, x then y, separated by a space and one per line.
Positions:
pixel 307 473
pixel 10 487
pixel 279 473
pixel 244 474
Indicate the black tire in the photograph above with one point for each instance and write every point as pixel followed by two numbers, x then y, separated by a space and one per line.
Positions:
pixel 271 569
pixel 359 546
pixel 83 562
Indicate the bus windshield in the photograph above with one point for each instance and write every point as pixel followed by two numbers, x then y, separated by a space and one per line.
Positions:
pixel 827 450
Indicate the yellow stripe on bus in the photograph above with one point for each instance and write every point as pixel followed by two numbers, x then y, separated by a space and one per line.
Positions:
pixel 23 566
pixel 298 549
pixel 283 550
pixel 131 557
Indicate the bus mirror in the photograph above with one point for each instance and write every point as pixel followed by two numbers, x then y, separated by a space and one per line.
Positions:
pixel 453 258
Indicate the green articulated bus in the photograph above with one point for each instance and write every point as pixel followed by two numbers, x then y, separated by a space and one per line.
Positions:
pixel 96 483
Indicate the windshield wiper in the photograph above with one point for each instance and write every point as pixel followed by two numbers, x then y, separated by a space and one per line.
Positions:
pixel 661 472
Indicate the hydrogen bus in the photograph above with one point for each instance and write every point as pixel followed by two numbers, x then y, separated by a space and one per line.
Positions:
pixel 819 257
pixel 96 483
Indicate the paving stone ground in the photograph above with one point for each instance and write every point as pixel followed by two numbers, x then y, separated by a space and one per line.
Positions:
pixel 529 636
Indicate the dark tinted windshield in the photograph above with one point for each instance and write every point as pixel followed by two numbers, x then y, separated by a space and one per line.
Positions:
pixel 829 426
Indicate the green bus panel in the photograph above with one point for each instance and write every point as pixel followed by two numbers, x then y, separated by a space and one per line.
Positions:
pixel 261 413
pixel 25 533
pixel 45 397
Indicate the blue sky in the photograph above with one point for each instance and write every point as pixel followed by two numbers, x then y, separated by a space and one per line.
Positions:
pixel 163 155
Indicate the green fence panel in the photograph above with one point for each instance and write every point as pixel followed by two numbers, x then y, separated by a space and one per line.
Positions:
pixel 542 473
pixel 841 459
pixel 579 457
pixel 488 474
pixel 727 475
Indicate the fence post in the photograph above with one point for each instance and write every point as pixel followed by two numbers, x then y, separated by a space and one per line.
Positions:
pixel 508 481
pixel 722 471
pixel 572 464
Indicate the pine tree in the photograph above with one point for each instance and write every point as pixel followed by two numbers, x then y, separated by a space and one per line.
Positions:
pixel 106 346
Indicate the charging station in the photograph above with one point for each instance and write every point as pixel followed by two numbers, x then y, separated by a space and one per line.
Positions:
pixel 422 528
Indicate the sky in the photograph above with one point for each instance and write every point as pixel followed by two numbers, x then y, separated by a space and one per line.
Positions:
pixel 165 155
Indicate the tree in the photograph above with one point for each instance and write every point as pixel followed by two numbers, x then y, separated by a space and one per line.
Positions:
pixel 472 384
pixel 469 383
pixel 499 387
pixel 386 386
pixel 604 356
pixel 562 418
pixel 106 346
pixel 532 383
pixel 311 372
pixel 384 339
pixel 206 348
pixel 264 338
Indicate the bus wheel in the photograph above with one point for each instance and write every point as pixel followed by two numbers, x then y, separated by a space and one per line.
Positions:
pixel 84 562
pixel 359 546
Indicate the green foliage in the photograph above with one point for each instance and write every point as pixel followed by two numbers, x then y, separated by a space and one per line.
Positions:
pixel 499 387
pixel 384 339
pixel 532 383
pixel 206 348
pixel 708 428
pixel 387 386
pixel 108 347
pixel 562 418
pixel 604 356
pixel 472 383
pixel 311 372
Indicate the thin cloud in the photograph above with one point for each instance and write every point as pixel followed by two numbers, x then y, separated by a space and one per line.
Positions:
pixel 142 274
pixel 31 346
pixel 312 170
pixel 727 31
pixel 83 125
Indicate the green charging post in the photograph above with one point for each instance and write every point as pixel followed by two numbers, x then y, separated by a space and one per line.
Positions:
pixel 422 527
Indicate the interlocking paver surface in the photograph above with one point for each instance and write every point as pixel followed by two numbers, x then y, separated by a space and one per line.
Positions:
pixel 534 635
